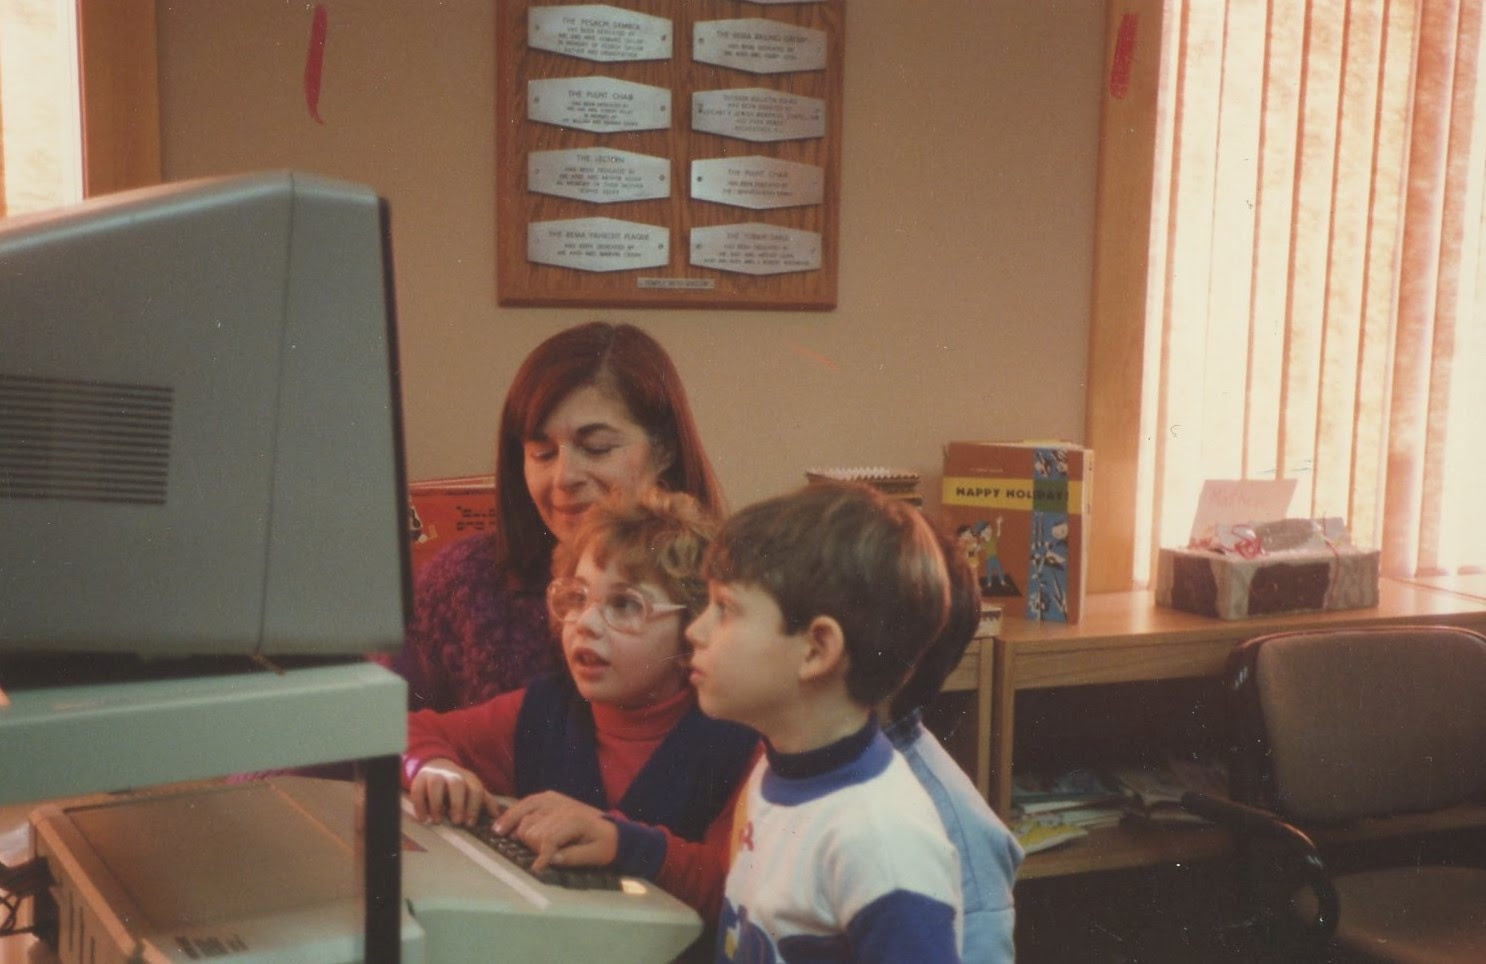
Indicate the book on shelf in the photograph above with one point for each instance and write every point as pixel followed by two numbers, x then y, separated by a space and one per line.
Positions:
pixel 1037 791
pixel 1093 817
pixel 1153 792
pixel 1020 512
pixel 1050 808
pixel 1036 834
pixel 1043 829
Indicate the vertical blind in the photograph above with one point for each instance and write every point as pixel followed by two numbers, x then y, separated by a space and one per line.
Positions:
pixel 1317 295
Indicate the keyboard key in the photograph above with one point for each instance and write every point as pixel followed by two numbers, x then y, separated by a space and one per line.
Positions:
pixel 518 853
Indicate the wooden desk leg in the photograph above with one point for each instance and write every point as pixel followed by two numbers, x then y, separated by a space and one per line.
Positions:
pixel 1002 713
pixel 984 701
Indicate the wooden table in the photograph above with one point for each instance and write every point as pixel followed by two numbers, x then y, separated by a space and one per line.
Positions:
pixel 1124 638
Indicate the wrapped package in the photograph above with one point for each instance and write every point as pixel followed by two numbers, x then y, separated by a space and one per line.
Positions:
pixel 1286 566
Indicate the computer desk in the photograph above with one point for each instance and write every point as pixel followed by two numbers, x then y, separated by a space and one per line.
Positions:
pixel 1126 638
pixel 58 741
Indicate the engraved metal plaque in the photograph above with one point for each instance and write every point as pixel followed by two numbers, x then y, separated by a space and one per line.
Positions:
pixel 757 182
pixel 758 114
pixel 598 244
pixel 598 175
pixel 597 31
pixel 755 249
pixel 599 104
pixel 758 46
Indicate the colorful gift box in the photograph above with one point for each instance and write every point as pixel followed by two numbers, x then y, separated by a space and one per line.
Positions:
pixel 1244 576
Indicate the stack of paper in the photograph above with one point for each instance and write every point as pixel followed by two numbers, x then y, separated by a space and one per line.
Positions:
pixel 1052 808
pixel 899 484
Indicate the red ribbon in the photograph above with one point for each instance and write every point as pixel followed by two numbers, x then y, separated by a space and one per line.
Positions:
pixel 314 62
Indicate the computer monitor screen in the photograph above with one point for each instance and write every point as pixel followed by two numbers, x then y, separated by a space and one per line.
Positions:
pixel 199 426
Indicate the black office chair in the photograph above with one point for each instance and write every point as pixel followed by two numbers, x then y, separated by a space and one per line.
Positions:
pixel 1342 725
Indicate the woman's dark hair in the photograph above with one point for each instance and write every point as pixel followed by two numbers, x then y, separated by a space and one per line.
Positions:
pixel 620 359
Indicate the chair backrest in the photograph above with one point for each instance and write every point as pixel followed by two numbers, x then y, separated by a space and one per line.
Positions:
pixel 1337 724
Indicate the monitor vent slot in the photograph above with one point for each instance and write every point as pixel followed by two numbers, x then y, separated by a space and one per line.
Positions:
pixel 84 441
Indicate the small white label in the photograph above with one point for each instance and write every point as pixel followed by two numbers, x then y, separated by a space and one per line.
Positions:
pixel 677 284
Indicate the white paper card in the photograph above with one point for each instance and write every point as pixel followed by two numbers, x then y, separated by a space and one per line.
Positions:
pixel 1239 501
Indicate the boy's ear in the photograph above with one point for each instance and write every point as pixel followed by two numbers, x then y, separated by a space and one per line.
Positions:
pixel 825 650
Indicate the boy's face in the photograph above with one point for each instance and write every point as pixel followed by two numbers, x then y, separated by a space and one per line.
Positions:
pixel 627 669
pixel 744 666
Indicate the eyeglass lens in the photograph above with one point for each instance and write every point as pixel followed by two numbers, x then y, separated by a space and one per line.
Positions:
pixel 624 609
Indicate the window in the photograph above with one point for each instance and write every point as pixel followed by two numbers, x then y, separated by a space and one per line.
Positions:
pixel 42 160
pixel 1290 278
pixel 79 112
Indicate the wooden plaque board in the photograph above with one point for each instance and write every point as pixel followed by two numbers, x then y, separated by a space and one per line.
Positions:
pixel 678 282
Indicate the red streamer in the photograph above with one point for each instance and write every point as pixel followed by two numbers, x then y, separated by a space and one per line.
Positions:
pixel 314 62
pixel 1123 60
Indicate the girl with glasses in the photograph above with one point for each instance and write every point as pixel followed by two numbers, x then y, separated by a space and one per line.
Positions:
pixel 613 763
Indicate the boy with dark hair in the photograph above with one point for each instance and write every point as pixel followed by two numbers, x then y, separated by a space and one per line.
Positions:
pixel 820 603
pixel 989 853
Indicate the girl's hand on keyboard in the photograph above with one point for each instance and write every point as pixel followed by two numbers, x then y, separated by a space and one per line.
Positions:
pixel 443 788
pixel 562 831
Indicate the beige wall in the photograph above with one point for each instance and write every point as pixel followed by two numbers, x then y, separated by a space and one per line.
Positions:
pixel 971 129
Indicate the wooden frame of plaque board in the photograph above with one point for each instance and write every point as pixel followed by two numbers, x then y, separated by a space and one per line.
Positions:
pixel 628 175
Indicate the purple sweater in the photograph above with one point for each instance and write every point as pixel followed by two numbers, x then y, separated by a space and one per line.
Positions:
pixel 476 630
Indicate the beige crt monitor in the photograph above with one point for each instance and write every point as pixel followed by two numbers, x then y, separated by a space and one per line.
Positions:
pixel 268 871
pixel 199 425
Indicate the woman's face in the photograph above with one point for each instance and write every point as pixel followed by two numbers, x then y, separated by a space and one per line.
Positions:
pixel 587 447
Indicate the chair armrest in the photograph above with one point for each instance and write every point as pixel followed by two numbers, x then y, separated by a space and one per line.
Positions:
pixel 1244 819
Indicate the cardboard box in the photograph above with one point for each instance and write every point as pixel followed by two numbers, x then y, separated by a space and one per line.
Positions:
pixel 1020 510
pixel 1231 587
pixel 441 511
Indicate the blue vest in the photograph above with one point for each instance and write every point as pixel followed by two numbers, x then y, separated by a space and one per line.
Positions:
pixel 685 784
